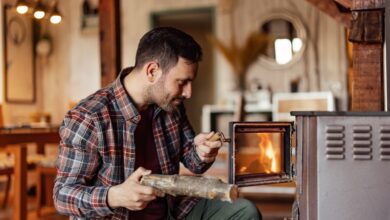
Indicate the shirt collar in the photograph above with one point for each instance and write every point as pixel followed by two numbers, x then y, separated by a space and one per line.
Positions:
pixel 125 103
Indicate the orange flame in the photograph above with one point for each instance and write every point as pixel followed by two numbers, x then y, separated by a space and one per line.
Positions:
pixel 243 169
pixel 267 154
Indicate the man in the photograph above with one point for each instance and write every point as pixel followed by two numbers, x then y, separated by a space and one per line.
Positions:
pixel 134 127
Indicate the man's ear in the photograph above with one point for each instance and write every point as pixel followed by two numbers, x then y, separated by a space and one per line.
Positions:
pixel 153 71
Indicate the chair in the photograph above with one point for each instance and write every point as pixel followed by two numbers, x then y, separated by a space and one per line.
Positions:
pixel 35 161
pixel 46 172
pixel 6 166
pixel 6 169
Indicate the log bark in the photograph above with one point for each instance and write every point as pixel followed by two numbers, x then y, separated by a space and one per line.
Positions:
pixel 194 186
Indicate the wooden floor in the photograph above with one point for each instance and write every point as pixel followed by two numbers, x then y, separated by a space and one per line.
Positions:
pixel 48 214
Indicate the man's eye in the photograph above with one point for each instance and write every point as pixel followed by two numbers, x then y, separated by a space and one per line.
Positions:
pixel 181 82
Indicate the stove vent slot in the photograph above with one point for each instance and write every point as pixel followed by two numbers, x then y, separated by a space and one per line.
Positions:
pixel 362 144
pixel 385 142
pixel 335 142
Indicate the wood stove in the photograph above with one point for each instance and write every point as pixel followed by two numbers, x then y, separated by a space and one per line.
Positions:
pixel 341 165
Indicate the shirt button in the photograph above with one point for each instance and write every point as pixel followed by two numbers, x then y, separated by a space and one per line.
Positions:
pixel 137 118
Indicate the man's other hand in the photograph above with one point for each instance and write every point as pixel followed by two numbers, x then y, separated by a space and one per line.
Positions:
pixel 131 194
pixel 207 150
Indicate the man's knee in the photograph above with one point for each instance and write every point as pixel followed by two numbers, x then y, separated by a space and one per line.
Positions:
pixel 249 208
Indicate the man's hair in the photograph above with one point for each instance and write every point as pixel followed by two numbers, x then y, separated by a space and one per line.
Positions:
pixel 165 45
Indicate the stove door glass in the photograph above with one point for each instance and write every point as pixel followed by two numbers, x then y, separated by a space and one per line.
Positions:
pixel 260 152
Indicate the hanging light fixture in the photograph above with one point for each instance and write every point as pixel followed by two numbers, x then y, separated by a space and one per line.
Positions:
pixel 55 17
pixel 39 10
pixel 21 7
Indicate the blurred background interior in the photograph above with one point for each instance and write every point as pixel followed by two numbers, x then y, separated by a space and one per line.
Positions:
pixel 262 59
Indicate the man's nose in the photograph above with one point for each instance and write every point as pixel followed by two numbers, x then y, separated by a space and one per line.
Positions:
pixel 187 91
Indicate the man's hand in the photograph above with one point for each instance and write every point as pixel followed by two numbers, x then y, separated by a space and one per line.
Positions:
pixel 131 194
pixel 207 150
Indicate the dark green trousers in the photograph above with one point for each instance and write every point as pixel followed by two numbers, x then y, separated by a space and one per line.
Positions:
pixel 214 209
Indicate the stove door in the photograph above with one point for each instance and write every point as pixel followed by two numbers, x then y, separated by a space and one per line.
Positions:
pixel 260 152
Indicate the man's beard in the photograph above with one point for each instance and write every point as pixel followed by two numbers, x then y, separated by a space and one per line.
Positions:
pixel 159 96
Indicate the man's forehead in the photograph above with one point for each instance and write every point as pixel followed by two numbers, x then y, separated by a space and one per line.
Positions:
pixel 184 69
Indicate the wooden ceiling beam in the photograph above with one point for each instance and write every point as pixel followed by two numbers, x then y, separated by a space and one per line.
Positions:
pixel 345 3
pixel 330 8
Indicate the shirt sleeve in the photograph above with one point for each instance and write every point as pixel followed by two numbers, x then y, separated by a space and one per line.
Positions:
pixel 77 167
pixel 190 158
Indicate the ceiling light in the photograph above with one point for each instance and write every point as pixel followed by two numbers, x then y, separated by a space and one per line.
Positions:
pixel 39 14
pixel 21 7
pixel 55 17
pixel 39 11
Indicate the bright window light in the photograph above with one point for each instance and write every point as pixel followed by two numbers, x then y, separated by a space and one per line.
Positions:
pixel 296 45
pixel 283 52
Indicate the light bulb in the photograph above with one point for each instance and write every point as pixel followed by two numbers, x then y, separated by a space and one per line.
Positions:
pixel 39 14
pixel 22 9
pixel 55 19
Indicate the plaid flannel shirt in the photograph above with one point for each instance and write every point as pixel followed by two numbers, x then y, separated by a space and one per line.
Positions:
pixel 97 151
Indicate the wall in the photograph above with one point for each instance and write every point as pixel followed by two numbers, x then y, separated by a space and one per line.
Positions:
pixel 72 71
pixel 323 66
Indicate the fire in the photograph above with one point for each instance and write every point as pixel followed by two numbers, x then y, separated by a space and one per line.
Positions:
pixel 243 169
pixel 268 156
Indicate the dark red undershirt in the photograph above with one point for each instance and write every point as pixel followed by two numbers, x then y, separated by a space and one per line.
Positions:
pixel 146 156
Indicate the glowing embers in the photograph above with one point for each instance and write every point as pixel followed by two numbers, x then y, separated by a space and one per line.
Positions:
pixel 259 153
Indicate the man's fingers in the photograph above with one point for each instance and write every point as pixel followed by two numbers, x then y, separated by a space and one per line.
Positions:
pixel 213 144
pixel 137 174
pixel 207 149
pixel 144 198
pixel 209 135
pixel 137 206
pixel 147 190
pixel 202 137
pixel 211 154
pixel 207 159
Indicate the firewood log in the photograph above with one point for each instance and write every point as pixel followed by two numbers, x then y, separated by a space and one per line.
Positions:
pixel 194 186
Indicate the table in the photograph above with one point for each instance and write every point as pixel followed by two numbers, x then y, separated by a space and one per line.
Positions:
pixel 18 138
